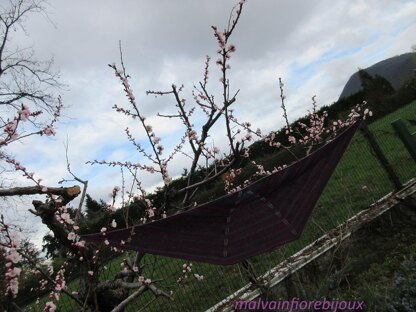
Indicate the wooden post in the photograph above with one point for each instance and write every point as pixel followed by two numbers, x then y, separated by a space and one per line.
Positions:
pixel 381 157
pixel 406 137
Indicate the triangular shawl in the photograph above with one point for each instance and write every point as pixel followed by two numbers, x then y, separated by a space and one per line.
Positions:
pixel 269 213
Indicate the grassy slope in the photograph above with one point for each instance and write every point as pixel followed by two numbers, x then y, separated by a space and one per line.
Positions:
pixel 357 182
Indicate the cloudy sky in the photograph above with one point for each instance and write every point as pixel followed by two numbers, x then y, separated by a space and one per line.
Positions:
pixel 313 45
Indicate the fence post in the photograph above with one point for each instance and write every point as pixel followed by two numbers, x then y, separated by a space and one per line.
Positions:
pixel 381 157
pixel 404 134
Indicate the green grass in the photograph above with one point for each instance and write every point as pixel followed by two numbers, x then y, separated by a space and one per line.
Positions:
pixel 358 181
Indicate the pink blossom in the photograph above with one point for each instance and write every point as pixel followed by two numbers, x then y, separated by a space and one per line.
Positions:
pixel 13 256
pixel 43 284
pixel 199 277
pixel 14 272
pixel 50 307
pixel 291 139
pixel 15 238
pixel 232 48
pixel 220 37
pixel 65 216
pixel 13 287
pixel 148 202
pixel 49 131
pixel 113 223
pixel 10 127
pixel 166 177
pixel 12 275
pixel 71 236
pixel 192 134
pixel 81 243
pixel 24 113
pixel 160 149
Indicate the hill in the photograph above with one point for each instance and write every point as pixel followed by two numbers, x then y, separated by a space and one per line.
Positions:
pixel 395 69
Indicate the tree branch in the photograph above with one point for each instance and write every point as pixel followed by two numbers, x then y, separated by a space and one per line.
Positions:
pixel 129 299
pixel 68 193
pixel 219 173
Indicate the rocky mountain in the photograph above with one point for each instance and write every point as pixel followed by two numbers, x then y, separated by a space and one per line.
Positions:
pixel 395 69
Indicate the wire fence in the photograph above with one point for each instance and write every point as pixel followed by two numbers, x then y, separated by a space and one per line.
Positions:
pixel 359 180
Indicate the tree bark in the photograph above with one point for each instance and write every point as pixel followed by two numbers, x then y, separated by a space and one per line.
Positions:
pixel 68 193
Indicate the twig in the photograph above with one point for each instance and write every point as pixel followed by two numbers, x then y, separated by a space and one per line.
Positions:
pixel 83 182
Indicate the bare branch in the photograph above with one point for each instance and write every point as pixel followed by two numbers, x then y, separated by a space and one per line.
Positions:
pixel 66 192
pixel 83 182
pixel 22 76
pixel 209 179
